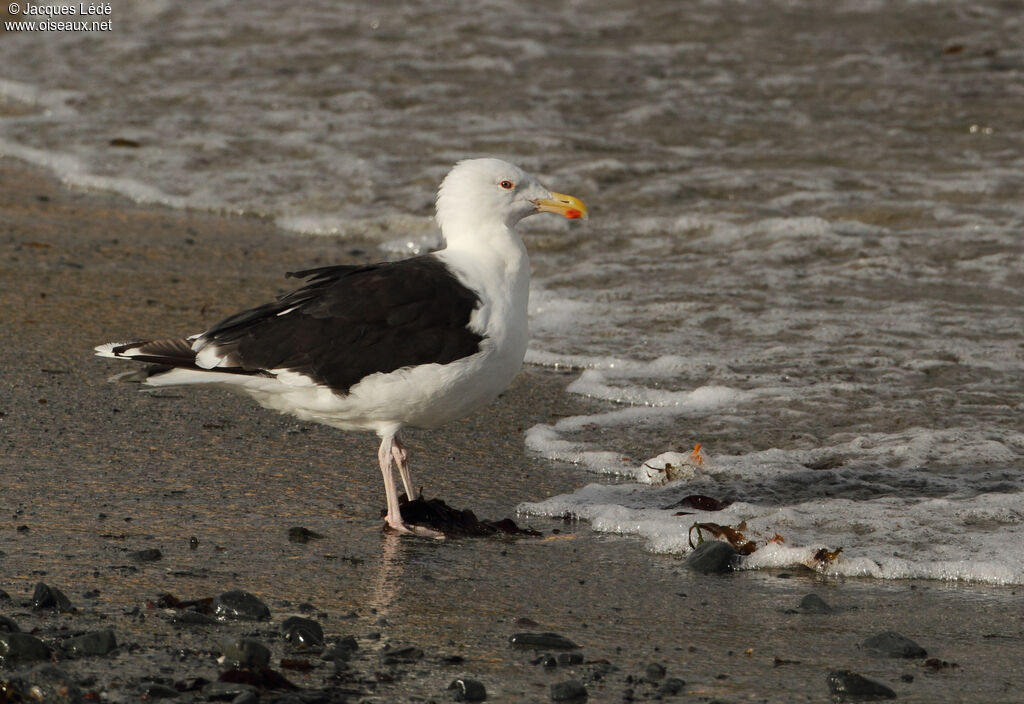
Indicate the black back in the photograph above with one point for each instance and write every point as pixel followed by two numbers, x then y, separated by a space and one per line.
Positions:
pixel 351 321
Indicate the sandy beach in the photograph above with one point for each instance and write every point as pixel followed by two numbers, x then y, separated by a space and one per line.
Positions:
pixel 94 472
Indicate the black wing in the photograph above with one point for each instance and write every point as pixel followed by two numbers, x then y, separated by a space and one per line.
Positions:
pixel 348 322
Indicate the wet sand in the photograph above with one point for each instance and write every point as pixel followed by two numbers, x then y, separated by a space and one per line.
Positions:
pixel 93 471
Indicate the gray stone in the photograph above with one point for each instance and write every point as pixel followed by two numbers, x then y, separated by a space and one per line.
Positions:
pixel 655 672
pixel 889 644
pixel 712 557
pixel 342 650
pixel 239 605
pixel 572 690
pixel 850 684
pixel 671 686
pixel 22 647
pixel 227 691
pixel 467 690
pixel 303 633
pixel 814 604
pixel 147 555
pixel 8 625
pixel 405 654
pixel 542 641
pixel 298 534
pixel 155 690
pixel 47 597
pixel 245 652
pixel 94 643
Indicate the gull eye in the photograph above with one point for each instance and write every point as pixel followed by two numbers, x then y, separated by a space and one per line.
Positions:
pixel 507 185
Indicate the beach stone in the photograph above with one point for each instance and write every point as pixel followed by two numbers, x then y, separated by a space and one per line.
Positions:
pixel 155 690
pixel 4 596
pixel 671 686
pixel 814 604
pixel 43 683
pixel 227 691
pixel 570 659
pixel 541 641
pixel 890 644
pixel 192 618
pixel 342 650
pixel 303 633
pixel 654 672
pixel 405 654
pixel 147 555
pixel 711 557
pixel 846 683
pixel 546 660
pixel 467 690
pixel 571 690
pixel 246 698
pixel 94 643
pixel 47 597
pixel 8 625
pixel 245 652
pixel 298 534
pixel 239 605
pixel 22 647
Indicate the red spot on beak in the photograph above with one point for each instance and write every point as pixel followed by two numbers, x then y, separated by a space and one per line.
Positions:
pixel 573 214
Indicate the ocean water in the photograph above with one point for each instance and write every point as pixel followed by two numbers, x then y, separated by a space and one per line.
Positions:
pixel 805 249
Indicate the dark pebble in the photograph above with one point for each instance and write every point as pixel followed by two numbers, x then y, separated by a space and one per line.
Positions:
pixel 47 597
pixel 654 672
pixel 8 625
pixel 572 690
pixel 846 683
pixel 303 633
pixel 539 641
pixel 4 596
pixel 22 647
pixel 155 690
pixel 43 683
pixel 246 698
pixel 546 660
pixel 239 605
pixel 570 658
pixel 245 652
pixel 192 618
pixel 814 604
pixel 405 654
pixel 94 643
pixel 890 644
pixel 467 690
pixel 712 557
pixel 671 686
pixel 227 691
pixel 147 555
pixel 298 534
pixel 342 650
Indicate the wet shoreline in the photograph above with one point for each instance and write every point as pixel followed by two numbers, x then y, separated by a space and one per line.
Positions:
pixel 94 473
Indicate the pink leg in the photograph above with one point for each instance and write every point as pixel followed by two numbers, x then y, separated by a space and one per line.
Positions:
pixel 385 455
pixel 401 456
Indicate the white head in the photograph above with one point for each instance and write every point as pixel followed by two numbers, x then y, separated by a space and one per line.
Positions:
pixel 481 194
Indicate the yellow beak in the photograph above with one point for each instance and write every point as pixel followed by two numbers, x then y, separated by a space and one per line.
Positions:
pixel 569 206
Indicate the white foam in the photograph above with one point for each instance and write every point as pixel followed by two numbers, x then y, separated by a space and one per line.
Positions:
pixel 960 534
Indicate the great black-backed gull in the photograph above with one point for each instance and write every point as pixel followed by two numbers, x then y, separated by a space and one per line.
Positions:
pixel 417 342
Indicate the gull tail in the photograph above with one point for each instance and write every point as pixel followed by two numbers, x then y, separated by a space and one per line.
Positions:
pixel 161 356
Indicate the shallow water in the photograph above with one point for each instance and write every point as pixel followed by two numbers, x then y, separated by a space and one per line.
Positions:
pixel 804 250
